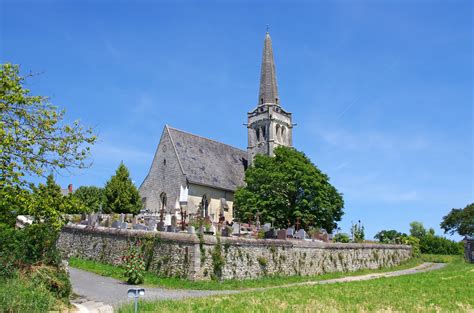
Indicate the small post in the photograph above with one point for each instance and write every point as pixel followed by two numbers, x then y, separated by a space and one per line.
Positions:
pixel 135 293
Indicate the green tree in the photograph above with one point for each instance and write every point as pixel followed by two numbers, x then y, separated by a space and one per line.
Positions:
pixel 121 195
pixel 286 187
pixel 389 236
pixel 460 221
pixel 91 197
pixel 417 229
pixel 48 205
pixel 33 138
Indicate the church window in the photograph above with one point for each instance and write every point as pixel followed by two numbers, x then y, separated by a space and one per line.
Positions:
pixel 283 134
pixel 205 206
pixel 164 162
pixel 261 100
pixel 163 200
pixel 264 135
pixel 276 100
pixel 257 132
pixel 277 132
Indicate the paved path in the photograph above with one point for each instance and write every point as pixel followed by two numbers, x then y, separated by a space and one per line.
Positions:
pixel 94 289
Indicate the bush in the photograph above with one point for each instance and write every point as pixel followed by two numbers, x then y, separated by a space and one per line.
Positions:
pixel 21 248
pixel 431 244
pixel 53 279
pixel 134 264
pixel 414 243
pixel 342 237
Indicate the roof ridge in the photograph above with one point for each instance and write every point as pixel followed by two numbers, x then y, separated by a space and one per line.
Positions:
pixel 213 140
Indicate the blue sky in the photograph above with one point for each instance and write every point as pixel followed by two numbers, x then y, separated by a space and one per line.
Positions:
pixel 381 90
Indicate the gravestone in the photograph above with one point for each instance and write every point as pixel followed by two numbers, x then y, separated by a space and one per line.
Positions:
pixel 122 217
pixel 124 225
pixel 191 230
pixel 152 225
pixel 281 234
pixel 161 226
pixel 236 229
pixel 267 227
pixel 290 232
pixel 226 231
pixel 174 221
pixel 139 227
pixel 300 234
pixel 270 234
pixel 116 224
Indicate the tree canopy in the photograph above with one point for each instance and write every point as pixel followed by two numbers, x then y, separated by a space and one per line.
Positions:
pixel 121 195
pixel 33 138
pixel 91 197
pixel 287 187
pixel 459 221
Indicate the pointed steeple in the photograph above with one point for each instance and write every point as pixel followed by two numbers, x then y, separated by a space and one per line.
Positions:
pixel 268 86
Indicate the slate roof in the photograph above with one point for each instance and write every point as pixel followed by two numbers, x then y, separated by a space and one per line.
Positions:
pixel 208 162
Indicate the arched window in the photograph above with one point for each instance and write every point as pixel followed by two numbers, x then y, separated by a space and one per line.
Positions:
pixel 283 134
pixel 277 132
pixel 264 133
pixel 257 132
pixel 205 206
pixel 163 200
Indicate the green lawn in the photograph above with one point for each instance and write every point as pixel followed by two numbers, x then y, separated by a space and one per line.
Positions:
pixel 152 279
pixel 450 289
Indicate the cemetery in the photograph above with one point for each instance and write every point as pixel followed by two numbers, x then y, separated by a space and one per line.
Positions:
pixel 237 251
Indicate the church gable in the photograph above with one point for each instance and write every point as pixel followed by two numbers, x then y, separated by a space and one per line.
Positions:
pixel 165 176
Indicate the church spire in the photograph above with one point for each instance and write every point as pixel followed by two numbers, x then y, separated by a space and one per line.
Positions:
pixel 268 86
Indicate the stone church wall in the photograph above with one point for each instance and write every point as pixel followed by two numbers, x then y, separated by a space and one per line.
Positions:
pixel 214 195
pixel 191 256
pixel 165 176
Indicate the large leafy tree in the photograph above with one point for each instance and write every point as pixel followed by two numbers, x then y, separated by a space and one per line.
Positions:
pixel 389 236
pixel 460 221
pixel 121 195
pixel 91 197
pixel 34 141
pixel 288 187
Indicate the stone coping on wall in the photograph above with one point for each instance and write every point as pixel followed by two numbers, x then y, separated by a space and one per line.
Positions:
pixel 237 241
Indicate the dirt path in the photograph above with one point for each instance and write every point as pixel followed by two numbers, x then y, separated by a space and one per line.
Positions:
pixel 94 289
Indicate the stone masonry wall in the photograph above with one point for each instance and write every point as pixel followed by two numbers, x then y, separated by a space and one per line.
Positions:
pixel 197 257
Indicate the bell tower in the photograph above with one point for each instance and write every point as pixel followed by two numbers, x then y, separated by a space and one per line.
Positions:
pixel 269 126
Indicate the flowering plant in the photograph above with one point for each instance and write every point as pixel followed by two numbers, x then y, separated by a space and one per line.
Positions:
pixel 134 264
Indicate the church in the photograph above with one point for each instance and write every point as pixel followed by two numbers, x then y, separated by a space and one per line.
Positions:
pixel 199 176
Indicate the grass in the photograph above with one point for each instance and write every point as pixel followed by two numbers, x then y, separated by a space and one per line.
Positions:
pixel 446 290
pixel 152 279
pixel 19 295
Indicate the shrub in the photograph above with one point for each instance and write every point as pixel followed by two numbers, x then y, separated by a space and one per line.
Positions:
pixel 342 237
pixel 21 248
pixel 358 232
pixel 431 244
pixel 414 243
pixel 134 264
pixel 53 279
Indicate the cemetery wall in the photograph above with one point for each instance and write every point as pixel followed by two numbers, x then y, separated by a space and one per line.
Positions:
pixel 202 257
